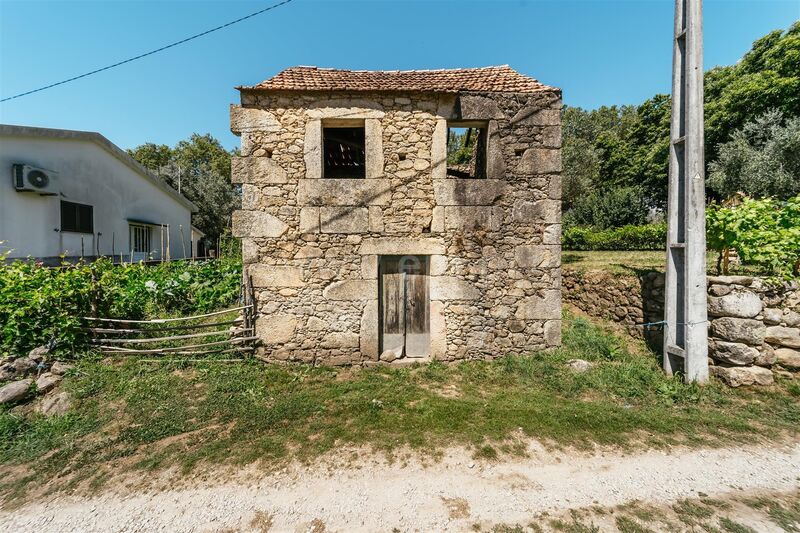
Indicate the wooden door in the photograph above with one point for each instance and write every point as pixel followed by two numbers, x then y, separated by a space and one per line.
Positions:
pixel 405 306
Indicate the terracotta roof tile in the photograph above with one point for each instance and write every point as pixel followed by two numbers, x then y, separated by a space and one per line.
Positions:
pixel 485 79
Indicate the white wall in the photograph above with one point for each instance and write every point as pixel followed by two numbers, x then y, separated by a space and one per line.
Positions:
pixel 88 174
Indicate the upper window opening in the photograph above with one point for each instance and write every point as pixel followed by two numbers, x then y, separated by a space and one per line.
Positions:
pixel 466 149
pixel 77 217
pixel 344 151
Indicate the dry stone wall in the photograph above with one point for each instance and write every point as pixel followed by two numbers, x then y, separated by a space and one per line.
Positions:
pixel 753 325
pixel 312 244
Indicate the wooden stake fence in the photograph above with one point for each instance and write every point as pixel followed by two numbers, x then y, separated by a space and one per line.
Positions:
pixel 179 335
pixel 117 337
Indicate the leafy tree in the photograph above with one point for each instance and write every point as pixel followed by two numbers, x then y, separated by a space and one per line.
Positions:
pixel 767 77
pixel 581 152
pixel 152 156
pixel 629 146
pixel 610 208
pixel 201 169
pixel 762 159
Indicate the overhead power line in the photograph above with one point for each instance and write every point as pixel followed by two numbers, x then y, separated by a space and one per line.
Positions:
pixel 151 52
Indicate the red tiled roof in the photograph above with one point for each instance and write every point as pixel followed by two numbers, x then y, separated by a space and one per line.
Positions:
pixel 485 79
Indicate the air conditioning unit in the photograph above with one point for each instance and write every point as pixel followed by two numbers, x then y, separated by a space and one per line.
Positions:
pixel 39 180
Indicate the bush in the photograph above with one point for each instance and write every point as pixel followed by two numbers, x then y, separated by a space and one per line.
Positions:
pixel 612 208
pixel 39 304
pixel 647 237
pixel 765 233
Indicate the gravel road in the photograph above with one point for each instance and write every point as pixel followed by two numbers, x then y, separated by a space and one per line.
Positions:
pixel 446 495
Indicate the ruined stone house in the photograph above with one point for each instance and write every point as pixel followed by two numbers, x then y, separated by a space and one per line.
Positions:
pixel 401 215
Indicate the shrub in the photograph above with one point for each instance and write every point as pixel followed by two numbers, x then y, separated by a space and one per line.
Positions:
pixel 765 233
pixel 39 304
pixel 762 159
pixel 646 237
pixel 611 208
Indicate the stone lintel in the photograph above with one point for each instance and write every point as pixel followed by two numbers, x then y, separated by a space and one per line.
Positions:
pixel 345 108
pixel 402 246
pixel 477 107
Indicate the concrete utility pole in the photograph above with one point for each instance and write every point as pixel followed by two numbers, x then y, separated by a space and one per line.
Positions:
pixel 685 310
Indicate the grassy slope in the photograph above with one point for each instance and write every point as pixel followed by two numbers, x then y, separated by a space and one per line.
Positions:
pixel 152 415
pixel 631 262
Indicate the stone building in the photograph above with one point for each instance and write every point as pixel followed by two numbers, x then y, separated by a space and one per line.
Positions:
pixel 401 215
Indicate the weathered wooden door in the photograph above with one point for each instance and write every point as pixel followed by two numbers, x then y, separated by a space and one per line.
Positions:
pixel 405 305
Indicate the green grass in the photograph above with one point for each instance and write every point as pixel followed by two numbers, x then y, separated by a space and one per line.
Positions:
pixel 786 514
pixel 134 415
pixel 631 262
pixel 734 527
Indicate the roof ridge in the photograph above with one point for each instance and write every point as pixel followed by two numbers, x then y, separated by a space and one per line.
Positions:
pixel 493 78
pixel 392 71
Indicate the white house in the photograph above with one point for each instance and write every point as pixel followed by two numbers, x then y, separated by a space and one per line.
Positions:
pixel 74 193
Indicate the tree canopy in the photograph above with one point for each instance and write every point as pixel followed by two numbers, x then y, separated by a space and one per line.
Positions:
pixel 628 146
pixel 201 169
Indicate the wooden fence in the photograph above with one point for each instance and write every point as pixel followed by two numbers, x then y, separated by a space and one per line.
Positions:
pixel 192 335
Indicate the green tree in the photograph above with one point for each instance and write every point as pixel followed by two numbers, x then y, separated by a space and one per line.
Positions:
pixel 767 77
pixel 582 153
pixel 629 146
pixel 615 207
pixel 762 159
pixel 200 168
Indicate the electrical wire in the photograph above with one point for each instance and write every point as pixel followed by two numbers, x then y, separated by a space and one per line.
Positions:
pixel 151 52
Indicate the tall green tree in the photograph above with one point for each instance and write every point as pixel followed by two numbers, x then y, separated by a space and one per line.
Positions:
pixel 628 147
pixel 761 160
pixel 200 167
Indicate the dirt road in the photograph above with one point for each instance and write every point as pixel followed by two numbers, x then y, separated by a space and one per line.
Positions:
pixel 452 494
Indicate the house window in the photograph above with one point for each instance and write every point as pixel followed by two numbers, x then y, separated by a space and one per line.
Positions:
pixel 140 239
pixel 467 143
pixel 344 150
pixel 77 217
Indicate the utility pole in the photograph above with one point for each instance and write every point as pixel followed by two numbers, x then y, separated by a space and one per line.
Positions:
pixel 685 310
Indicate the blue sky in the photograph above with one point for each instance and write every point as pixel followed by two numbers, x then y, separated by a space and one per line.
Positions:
pixel 599 52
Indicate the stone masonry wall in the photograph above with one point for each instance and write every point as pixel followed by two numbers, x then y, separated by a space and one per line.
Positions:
pixel 753 325
pixel 312 245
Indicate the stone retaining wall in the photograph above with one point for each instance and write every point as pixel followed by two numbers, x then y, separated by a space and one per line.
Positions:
pixel 754 326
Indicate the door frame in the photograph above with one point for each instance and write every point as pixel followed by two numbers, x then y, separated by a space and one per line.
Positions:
pixel 422 261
